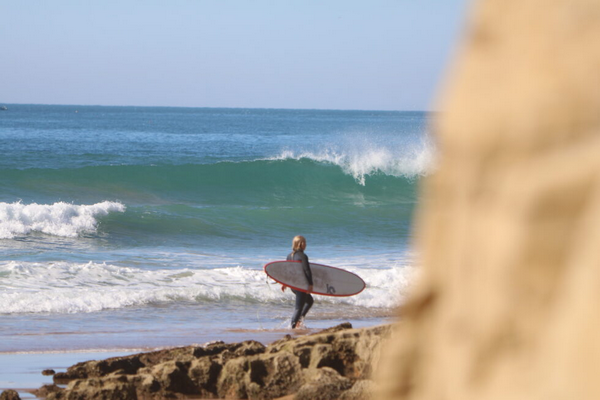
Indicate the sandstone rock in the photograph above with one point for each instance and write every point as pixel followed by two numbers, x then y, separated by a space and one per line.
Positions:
pixel 48 372
pixel 323 384
pixel 326 363
pixel 341 327
pixel 508 231
pixel 364 389
pixel 110 388
pixel 147 385
pixel 235 350
pixel 130 365
pixel 89 369
pixel 45 390
pixel 260 377
pixel 204 373
pixel 9 395
pixel 173 377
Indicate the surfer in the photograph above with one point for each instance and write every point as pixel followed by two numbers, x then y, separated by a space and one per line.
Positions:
pixel 304 301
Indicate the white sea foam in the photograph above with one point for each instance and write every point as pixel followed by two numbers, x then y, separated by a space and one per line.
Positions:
pixel 361 157
pixel 59 219
pixel 63 287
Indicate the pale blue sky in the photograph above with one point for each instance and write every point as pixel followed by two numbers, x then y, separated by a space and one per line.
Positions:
pixel 337 54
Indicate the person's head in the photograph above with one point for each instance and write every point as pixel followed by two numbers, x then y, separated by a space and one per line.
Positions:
pixel 299 243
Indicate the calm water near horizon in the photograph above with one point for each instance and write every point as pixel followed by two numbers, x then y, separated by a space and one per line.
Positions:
pixel 140 227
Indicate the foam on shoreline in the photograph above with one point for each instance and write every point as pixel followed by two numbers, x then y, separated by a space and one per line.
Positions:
pixel 63 287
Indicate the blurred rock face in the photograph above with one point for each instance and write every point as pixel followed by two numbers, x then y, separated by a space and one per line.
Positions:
pixel 508 306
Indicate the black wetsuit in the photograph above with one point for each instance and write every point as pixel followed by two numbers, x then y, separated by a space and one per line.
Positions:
pixel 304 301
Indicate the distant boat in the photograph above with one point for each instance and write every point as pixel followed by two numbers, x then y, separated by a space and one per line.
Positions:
pixel 3 108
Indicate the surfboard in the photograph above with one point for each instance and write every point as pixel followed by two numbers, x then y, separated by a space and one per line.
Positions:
pixel 327 281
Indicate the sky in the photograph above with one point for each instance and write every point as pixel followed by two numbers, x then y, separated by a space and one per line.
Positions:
pixel 328 54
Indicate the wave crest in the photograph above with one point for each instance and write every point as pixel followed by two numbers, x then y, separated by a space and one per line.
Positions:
pixel 58 219
pixel 364 158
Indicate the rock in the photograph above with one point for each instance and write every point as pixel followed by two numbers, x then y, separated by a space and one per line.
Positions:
pixel 109 388
pixel 48 372
pixel 341 327
pixel 273 376
pixel 509 225
pixel 173 377
pixel 45 390
pixel 130 365
pixel 90 369
pixel 364 389
pixel 9 395
pixel 62 378
pixel 147 384
pixel 260 377
pixel 233 350
pixel 204 373
pixel 236 350
pixel 329 361
pixel 324 384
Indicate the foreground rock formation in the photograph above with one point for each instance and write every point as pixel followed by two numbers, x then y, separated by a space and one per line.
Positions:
pixel 9 395
pixel 333 364
pixel 509 231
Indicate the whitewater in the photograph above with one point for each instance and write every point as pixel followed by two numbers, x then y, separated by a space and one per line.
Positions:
pixel 60 219
pixel 362 157
pixel 140 227
pixel 85 288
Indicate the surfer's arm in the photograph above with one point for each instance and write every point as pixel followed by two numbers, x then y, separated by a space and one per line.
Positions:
pixel 307 271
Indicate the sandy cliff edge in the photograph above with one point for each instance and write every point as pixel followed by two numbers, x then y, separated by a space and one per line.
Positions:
pixel 509 226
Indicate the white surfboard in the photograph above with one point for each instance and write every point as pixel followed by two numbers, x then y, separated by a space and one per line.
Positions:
pixel 327 281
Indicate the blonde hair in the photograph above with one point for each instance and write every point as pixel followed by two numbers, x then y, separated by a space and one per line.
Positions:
pixel 299 243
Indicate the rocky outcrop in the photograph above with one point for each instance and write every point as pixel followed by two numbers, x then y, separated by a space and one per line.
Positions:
pixel 326 365
pixel 45 390
pixel 509 228
pixel 9 395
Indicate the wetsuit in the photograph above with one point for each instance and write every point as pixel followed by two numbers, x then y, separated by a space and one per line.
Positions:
pixel 304 301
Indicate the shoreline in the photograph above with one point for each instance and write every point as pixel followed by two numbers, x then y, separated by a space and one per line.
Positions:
pixel 163 335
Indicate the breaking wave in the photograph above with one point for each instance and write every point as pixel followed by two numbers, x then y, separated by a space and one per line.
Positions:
pixel 59 219
pixel 63 287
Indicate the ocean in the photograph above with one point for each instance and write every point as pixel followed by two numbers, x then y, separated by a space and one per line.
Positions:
pixel 125 228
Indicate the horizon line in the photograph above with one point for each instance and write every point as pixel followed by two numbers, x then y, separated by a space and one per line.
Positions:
pixel 217 107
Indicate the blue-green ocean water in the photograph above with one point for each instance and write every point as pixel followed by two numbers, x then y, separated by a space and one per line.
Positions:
pixel 126 227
